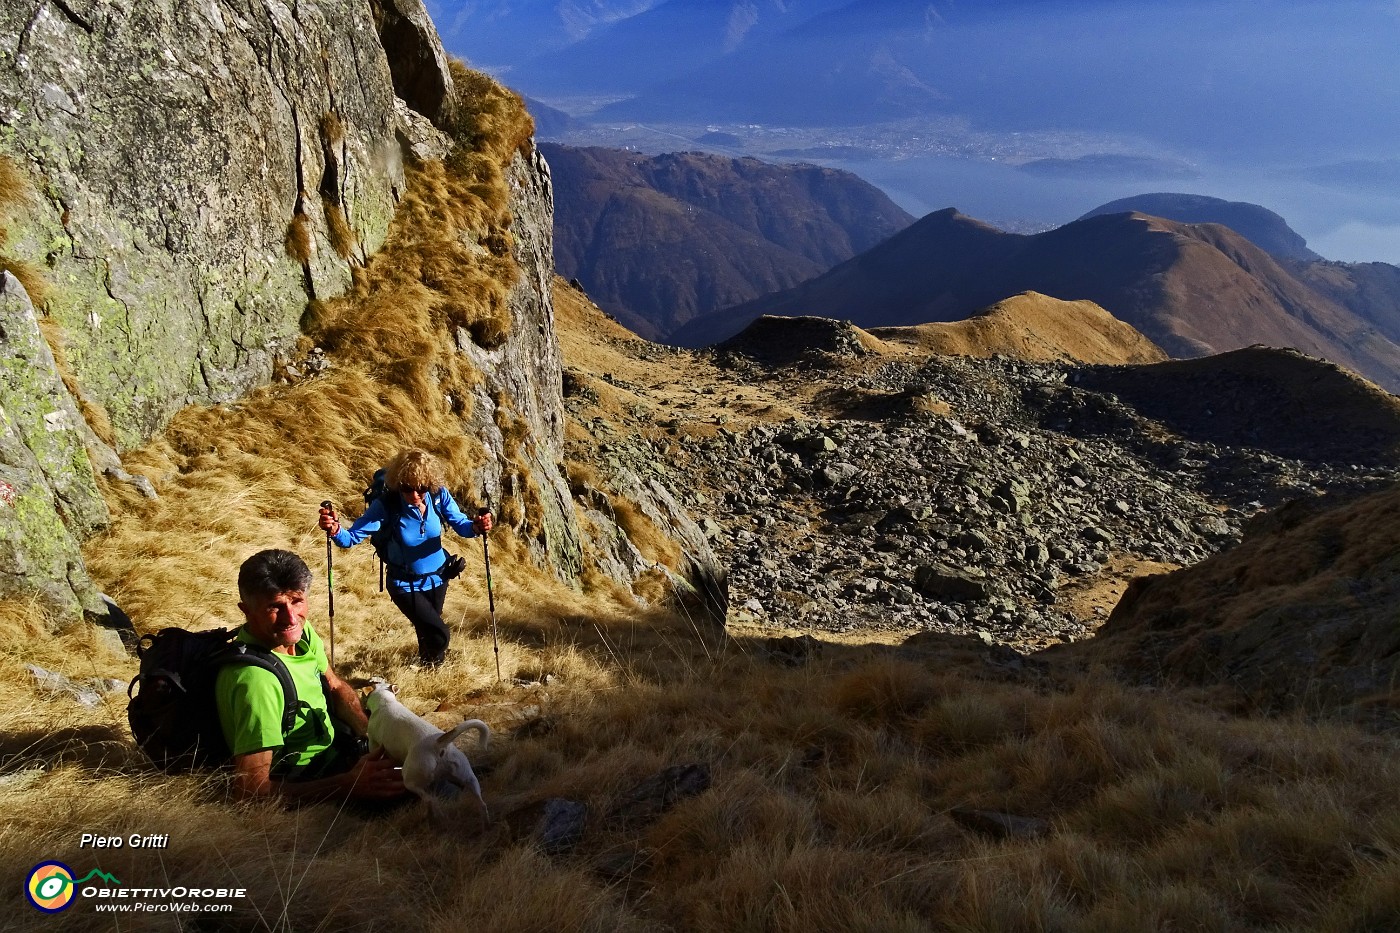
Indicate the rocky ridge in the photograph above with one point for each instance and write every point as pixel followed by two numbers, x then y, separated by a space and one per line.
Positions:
pixel 946 494
pixel 1192 289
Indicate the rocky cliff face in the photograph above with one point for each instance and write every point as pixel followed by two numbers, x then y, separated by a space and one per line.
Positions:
pixel 202 171
pixel 46 480
pixel 526 369
pixel 202 174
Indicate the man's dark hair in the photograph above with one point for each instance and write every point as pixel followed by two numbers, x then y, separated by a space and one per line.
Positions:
pixel 270 572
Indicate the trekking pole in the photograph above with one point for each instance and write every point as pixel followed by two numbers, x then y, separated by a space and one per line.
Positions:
pixel 490 594
pixel 330 581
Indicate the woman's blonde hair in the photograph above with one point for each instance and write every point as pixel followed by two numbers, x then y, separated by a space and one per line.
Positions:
pixel 414 467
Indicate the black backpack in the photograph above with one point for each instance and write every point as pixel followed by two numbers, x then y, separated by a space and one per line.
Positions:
pixel 173 715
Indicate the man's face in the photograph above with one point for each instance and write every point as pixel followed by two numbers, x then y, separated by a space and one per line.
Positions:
pixel 277 620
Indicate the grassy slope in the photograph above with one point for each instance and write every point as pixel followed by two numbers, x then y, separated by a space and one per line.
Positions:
pixel 834 781
pixel 1034 327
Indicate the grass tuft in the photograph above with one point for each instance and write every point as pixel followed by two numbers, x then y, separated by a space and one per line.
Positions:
pixel 299 240
pixel 342 237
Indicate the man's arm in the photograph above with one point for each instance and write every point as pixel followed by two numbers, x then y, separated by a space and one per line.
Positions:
pixel 373 778
pixel 346 703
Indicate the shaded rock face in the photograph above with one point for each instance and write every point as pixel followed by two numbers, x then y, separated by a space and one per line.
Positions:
pixel 528 371
pixel 186 154
pixel 48 498
pixel 416 58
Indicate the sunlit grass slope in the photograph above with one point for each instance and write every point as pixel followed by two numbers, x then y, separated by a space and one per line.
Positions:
pixel 836 783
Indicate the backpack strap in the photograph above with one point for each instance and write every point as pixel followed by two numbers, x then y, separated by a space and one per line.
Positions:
pixel 257 656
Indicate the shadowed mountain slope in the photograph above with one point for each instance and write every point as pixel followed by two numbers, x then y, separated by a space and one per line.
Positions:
pixel 657 240
pixel 1368 289
pixel 1259 225
pixel 1301 614
pixel 1191 289
pixel 1276 400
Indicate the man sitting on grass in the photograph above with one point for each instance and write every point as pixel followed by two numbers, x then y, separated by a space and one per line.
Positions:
pixel 306 761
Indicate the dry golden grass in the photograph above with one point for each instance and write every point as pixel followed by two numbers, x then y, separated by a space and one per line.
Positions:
pixel 490 120
pixel 299 241
pixel 16 193
pixel 829 809
pixel 343 239
pixel 93 413
pixel 31 276
pixel 332 130
pixel 1033 326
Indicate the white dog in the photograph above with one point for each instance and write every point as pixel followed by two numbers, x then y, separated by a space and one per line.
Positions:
pixel 432 765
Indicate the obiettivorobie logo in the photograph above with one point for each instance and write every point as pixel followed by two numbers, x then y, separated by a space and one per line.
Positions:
pixel 51 886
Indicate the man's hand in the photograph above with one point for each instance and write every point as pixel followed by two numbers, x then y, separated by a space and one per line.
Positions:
pixel 375 777
pixel 328 522
pixel 483 522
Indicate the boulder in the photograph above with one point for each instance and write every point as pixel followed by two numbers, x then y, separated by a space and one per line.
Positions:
pixel 939 581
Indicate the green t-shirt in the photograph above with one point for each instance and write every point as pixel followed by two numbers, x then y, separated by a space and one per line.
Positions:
pixel 251 705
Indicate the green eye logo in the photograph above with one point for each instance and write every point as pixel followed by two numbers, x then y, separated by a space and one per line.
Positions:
pixel 51 885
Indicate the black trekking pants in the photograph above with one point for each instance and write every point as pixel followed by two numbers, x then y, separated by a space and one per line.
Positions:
pixel 424 610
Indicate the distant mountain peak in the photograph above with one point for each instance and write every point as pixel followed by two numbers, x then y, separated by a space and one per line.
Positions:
pixel 1259 225
pixel 658 239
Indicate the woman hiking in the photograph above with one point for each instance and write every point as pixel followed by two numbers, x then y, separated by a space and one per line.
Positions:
pixel 413 510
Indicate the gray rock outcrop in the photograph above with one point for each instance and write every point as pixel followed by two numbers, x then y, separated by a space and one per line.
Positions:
pixel 206 168
pixel 48 496
pixel 987 520
pixel 527 371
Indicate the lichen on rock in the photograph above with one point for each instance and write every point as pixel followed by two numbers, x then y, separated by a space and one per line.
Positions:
pixel 50 499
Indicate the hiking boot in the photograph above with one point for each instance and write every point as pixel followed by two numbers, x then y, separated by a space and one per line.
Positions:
pixel 431 662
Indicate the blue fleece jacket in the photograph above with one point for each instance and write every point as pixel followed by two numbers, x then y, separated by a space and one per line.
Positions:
pixel 415 554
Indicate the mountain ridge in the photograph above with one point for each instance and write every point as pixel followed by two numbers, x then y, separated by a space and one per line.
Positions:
pixel 1192 289
pixel 657 240
pixel 1259 225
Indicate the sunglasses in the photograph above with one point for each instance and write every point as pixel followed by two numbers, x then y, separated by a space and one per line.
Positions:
pixel 421 490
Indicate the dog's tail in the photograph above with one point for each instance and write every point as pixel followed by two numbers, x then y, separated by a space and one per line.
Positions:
pixel 448 737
